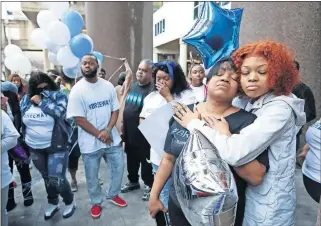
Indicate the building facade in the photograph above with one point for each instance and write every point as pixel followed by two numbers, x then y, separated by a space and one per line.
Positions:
pixel 172 21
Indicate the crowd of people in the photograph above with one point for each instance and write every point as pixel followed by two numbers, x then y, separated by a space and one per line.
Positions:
pixel 251 105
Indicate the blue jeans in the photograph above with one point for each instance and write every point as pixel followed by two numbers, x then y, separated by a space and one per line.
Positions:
pixel 114 159
pixel 52 166
pixel 164 195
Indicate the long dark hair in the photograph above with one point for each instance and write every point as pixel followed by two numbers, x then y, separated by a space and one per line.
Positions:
pixel 38 77
pixel 180 84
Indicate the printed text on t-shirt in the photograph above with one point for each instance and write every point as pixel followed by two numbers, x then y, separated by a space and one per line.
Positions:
pixel 98 104
pixel 35 115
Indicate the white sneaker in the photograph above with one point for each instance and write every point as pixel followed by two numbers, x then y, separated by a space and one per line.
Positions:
pixel 51 210
pixel 69 210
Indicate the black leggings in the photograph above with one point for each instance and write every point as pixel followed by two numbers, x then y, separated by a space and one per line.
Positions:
pixel 313 188
pixel 74 154
pixel 25 178
pixel 176 214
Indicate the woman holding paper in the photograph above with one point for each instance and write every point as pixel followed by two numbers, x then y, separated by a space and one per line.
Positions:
pixel 268 75
pixel 169 84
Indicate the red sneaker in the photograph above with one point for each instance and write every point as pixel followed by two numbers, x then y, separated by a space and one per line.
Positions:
pixel 95 211
pixel 118 201
pixel 14 184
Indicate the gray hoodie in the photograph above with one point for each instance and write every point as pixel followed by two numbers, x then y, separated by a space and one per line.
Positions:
pixel 272 203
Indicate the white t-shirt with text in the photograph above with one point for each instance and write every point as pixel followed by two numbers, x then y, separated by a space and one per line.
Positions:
pixel 154 101
pixel 39 127
pixel 95 102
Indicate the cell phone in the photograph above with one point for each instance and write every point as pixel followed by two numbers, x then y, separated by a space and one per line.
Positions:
pixel 162 219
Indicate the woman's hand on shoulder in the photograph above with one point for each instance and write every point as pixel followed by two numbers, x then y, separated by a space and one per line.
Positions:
pixel 183 115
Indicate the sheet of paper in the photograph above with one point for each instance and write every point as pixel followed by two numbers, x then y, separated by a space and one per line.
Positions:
pixel 155 127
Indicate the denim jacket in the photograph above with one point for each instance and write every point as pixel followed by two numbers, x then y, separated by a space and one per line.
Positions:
pixel 279 118
pixel 53 103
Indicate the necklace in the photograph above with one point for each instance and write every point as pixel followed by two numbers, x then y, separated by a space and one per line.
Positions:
pixel 206 110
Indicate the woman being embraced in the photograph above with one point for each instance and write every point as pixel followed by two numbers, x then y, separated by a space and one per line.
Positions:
pixel 268 75
pixel 46 133
pixel 223 85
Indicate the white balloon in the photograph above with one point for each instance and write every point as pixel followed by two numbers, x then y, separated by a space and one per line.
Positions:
pixel 52 47
pixel 21 64
pixel 39 37
pixel 58 8
pixel 66 58
pixel 53 58
pixel 59 33
pixel 45 17
pixel 9 63
pixel 12 50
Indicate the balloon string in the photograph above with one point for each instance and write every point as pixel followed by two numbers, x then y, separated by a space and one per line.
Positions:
pixel 115 58
pixel 115 72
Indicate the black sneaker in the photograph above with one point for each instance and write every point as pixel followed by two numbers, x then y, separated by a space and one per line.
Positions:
pixel 146 194
pixel 130 187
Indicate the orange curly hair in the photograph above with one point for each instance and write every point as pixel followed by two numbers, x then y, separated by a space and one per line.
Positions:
pixel 282 73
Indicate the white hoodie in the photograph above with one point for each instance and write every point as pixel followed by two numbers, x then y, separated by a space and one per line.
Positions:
pixel 272 203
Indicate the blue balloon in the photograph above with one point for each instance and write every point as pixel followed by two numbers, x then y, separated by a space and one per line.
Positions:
pixel 81 45
pixel 216 33
pixel 99 56
pixel 72 72
pixel 74 22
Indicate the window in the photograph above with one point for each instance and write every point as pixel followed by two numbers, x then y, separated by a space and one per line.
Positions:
pixel 224 5
pixel 198 7
pixel 164 25
pixel 160 27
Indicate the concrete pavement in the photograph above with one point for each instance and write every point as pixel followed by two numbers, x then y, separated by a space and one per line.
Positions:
pixel 135 214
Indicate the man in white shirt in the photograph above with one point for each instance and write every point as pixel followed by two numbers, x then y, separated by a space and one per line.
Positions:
pixel 94 106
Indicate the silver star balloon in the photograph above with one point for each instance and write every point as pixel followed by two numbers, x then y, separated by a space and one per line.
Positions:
pixel 204 184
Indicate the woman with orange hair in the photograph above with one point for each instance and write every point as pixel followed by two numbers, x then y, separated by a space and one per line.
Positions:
pixel 267 77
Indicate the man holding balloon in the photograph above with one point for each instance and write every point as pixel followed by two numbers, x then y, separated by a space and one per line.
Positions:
pixel 94 106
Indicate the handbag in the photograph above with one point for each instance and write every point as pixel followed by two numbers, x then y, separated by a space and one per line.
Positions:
pixel 20 153
pixel 204 184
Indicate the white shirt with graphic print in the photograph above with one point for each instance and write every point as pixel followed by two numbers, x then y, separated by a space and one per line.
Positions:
pixel 39 127
pixel 95 102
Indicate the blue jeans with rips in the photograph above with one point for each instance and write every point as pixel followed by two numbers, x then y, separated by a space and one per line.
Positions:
pixel 114 158
pixel 52 166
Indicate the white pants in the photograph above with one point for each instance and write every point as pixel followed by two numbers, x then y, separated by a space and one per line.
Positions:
pixel 4 200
